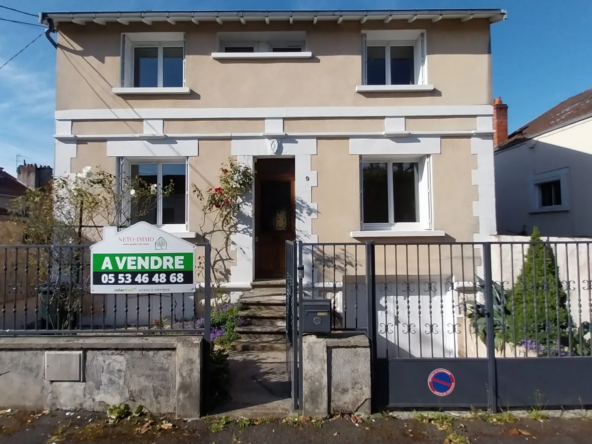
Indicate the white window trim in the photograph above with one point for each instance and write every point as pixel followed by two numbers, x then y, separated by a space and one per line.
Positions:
pixel 394 88
pixel 262 44
pixel 157 90
pixel 415 38
pixel 562 175
pixel 423 200
pixel 261 55
pixel 159 40
pixel 178 229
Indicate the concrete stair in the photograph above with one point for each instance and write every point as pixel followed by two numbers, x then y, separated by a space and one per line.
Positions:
pixel 265 306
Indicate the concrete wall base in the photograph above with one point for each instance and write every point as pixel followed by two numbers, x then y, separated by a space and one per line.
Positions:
pixel 336 373
pixel 93 373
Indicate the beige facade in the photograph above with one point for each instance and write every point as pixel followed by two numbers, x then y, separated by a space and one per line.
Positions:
pixel 89 65
pixel 236 107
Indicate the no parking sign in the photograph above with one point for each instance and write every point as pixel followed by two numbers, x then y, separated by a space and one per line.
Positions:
pixel 441 382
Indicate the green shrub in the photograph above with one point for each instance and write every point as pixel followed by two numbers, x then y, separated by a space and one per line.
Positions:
pixel 538 300
pixel 219 385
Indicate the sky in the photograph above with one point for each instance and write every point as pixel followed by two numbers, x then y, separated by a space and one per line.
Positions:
pixel 541 55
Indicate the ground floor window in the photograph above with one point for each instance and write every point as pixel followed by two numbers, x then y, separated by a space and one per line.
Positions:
pixel 550 191
pixel 395 193
pixel 166 210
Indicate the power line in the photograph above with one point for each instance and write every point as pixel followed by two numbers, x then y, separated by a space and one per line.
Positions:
pixel 17 10
pixel 14 56
pixel 21 23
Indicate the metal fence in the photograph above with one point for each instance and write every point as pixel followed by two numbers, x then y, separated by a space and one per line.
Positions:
pixel 509 318
pixel 45 289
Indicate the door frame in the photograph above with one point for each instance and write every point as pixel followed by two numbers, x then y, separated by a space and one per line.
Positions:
pixel 291 177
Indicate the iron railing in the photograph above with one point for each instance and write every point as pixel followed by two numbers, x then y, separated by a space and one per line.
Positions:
pixel 434 300
pixel 45 289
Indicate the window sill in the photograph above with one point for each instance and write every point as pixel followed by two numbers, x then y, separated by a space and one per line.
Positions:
pixel 397 233
pixel 128 91
pixel 261 55
pixel 556 209
pixel 183 234
pixel 393 88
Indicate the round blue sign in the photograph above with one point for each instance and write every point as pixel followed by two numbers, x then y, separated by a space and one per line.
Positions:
pixel 441 382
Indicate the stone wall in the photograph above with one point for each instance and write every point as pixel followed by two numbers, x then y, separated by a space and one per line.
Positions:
pixel 336 373
pixel 161 373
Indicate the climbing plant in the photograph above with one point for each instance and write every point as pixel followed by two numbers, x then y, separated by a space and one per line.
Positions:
pixel 220 208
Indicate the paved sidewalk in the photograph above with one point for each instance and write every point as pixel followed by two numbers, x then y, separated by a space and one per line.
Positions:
pixel 70 428
pixel 259 385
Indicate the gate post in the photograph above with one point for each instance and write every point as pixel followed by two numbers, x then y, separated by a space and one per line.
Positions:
pixel 371 328
pixel 298 295
pixel 207 346
pixel 490 339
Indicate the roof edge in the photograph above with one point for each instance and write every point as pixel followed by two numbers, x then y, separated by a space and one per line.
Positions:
pixel 494 15
pixel 540 133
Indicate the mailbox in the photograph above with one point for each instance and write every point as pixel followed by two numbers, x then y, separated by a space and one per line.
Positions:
pixel 317 316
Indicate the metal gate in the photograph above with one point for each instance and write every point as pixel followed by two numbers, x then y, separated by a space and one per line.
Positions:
pixel 293 333
pixel 456 325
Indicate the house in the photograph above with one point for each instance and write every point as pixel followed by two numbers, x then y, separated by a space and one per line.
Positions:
pixel 33 175
pixel 359 125
pixel 543 168
pixel 10 189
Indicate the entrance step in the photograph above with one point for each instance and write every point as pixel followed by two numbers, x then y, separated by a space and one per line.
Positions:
pixel 269 283
pixel 265 306
pixel 260 345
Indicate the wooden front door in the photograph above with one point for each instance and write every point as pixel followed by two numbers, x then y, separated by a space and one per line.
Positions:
pixel 274 215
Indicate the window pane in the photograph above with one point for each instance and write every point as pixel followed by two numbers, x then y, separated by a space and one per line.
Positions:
pixel 286 49
pixel 146 67
pixel 145 209
pixel 239 49
pixel 402 65
pixel 405 191
pixel 172 67
pixel 173 205
pixel 550 193
pixel 375 193
pixel 375 65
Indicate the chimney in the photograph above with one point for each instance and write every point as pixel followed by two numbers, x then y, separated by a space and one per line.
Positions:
pixel 500 122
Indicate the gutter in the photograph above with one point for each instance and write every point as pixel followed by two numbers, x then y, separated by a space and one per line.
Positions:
pixel 50 29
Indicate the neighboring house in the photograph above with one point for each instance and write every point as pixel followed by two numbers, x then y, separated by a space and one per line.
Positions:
pixel 361 125
pixel 543 171
pixel 10 189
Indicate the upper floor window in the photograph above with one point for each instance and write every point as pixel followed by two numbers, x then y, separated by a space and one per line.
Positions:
pixel 290 44
pixel 395 193
pixel 394 58
pixel 153 60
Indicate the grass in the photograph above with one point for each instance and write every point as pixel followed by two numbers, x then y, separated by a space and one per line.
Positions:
pixel 505 417
pixel 537 415
pixel 442 421
pixel 456 438
pixel 219 424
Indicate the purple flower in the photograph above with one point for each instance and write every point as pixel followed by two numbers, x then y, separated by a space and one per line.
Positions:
pixel 216 332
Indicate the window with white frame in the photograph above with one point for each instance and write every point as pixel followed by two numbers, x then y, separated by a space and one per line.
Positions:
pixel 550 191
pixel 394 58
pixel 170 211
pixel 247 42
pixel 395 193
pixel 153 60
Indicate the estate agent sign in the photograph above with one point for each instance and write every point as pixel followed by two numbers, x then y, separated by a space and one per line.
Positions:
pixel 142 259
